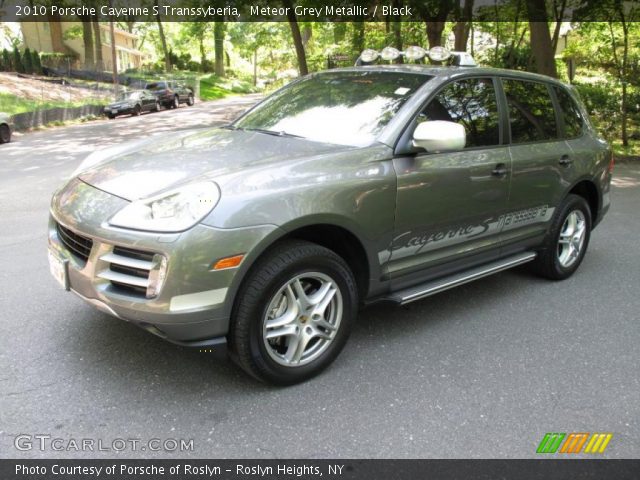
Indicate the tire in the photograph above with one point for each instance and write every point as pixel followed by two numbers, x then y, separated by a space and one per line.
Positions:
pixel 191 101
pixel 176 102
pixel 137 111
pixel 565 245
pixel 156 108
pixel 270 292
pixel 111 117
pixel 5 133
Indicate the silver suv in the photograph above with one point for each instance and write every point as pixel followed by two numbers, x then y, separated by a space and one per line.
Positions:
pixel 347 187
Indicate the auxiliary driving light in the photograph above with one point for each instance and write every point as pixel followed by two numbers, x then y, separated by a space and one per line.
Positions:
pixel 439 54
pixel 415 53
pixel 390 53
pixel 369 55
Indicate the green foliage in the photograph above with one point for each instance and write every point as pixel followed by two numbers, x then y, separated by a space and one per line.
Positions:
pixel 27 61
pixel 17 60
pixel 13 104
pixel 35 62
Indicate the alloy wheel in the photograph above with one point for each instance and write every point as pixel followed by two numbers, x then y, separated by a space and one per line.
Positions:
pixel 572 236
pixel 302 319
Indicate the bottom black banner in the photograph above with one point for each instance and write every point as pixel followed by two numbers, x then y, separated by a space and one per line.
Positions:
pixel 338 469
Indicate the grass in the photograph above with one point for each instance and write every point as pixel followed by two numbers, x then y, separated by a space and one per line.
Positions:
pixel 213 87
pixel 13 104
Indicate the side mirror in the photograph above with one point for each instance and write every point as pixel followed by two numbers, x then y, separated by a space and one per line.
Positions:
pixel 439 136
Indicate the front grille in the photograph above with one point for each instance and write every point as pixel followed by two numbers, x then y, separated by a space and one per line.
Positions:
pixel 128 270
pixel 78 245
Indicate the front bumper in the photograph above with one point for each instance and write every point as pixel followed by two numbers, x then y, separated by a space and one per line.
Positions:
pixel 194 304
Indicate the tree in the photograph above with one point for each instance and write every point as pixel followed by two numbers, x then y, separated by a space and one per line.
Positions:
pixel 17 60
pixel 163 41
pixel 6 60
pixel 218 39
pixel 87 40
pixel 463 26
pixel 26 61
pixel 434 13
pixel 35 61
pixel 297 37
pixel 97 37
pixel 540 37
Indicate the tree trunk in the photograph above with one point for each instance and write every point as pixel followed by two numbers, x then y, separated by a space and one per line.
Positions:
pixel 339 31
pixel 434 33
pixel 396 26
pixel 163 41
pixel 358 37
pixel 297 38
pixel 218 41
pixel 55 27
pixel 541 47
pixel 462 28
pixel 87 40
pixel 114 58
pixel 97 40
pixel 203 54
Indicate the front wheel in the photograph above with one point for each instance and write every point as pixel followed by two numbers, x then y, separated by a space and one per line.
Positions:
pixel 567 240
pixel 137 110
pixel 176 102
pixel 294 313
pixel 190 100
pixel 156 107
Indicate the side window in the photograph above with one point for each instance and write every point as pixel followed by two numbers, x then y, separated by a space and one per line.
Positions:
pixel 573 122
pixel 472 103
pixel 531 114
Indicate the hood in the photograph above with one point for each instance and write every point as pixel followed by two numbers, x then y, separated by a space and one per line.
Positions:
pixel 143 169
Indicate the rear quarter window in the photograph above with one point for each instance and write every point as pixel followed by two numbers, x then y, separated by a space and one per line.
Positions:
pixel 532 117
pixel 570 113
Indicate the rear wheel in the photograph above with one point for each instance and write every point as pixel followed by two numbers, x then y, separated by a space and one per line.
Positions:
pixel 294 313
pixel 176 102
pixel 567 240
pixel 5 133
pixel 156 107
pixel 191 100
pixel 137 110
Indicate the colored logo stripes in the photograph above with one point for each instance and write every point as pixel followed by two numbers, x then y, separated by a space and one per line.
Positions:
pixel 574 442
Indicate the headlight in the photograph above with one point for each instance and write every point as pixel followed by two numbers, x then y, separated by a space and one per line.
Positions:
pixel 172 211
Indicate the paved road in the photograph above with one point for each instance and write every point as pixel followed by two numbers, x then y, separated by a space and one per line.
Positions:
pixel 481 371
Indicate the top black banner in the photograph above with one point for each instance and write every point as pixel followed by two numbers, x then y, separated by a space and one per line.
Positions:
pixel 320 11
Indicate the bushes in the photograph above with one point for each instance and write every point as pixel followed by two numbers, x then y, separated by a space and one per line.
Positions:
pixel 27 62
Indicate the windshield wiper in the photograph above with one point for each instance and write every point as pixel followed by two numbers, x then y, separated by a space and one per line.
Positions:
pixel 281 133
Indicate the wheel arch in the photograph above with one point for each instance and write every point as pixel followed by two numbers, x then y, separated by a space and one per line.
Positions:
pixel 332 233
pixel 588 189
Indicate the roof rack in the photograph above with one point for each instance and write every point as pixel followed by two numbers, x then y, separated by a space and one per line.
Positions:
pixel 436 54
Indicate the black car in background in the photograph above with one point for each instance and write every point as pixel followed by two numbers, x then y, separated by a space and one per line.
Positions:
pixel 170 93
pixel 133 103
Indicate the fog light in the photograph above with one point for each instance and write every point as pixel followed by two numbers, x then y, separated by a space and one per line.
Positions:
pixel 157 274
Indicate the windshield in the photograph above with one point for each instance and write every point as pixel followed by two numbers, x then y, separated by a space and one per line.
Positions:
pixel 157 86
pixel 346 108
pixel 130 96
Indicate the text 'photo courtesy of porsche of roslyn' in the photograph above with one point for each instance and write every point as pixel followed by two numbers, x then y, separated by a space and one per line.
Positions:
pixel 371 236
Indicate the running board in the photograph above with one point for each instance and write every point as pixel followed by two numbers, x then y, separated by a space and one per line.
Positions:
pixel 436 286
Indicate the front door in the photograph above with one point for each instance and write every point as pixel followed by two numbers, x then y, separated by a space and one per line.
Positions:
pixel 449 205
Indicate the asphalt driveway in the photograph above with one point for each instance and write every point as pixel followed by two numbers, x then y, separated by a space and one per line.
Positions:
pixel 484 370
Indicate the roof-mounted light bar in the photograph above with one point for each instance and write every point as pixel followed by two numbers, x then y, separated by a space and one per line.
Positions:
pixel 436 54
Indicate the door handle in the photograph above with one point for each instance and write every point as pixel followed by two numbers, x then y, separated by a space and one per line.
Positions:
pixel 565 160
pixel 500 170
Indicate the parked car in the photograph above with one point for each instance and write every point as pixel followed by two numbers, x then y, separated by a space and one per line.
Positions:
pixel 133 103
pixel 171 94
pixel 344 188
pixel 5 128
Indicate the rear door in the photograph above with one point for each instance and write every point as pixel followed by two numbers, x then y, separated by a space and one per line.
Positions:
pixel 448 204
pixel 539 159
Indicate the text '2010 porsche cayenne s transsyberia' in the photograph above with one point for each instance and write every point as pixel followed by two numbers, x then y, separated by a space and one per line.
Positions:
pixel 346 187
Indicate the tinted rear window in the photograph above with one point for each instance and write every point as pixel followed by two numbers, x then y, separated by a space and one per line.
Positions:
pixel 531 114
pixel 573 121
pixel 157 86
